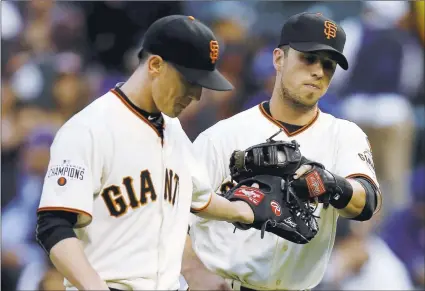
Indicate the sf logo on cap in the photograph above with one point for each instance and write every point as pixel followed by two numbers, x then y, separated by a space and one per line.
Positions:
pixel 213 51
pixel 330 29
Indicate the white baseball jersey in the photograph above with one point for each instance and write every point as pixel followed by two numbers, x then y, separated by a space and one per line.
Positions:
pixel 274 263
pixel 131 189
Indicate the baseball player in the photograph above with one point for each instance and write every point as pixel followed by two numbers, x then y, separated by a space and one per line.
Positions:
pixel 218 256
pixel 117 195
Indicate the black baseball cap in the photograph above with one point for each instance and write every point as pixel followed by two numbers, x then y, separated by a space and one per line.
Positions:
pixel 310 32
pixel 190 46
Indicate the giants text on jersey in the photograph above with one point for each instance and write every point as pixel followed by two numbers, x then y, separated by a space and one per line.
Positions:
pixel 132 188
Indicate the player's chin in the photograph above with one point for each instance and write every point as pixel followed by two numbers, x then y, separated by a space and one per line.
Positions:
pixel 307 102
pixel 310 99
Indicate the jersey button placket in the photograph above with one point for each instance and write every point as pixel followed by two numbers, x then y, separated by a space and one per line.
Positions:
pixel 161 201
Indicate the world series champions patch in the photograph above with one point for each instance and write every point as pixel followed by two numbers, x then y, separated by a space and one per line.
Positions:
pixel 65 171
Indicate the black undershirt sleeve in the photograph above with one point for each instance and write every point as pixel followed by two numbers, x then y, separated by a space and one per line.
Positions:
pixel 54 226
pixel 371 199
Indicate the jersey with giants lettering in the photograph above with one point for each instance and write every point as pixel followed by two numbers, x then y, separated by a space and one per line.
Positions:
pixel 274 263
pixel 132 191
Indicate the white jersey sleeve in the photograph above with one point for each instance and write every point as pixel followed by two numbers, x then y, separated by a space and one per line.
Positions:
pixel 354 158
pixel 209 156
pixel 206 173
pixel 202 191
pixel 73 174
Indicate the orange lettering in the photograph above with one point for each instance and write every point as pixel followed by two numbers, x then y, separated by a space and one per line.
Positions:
pixel 214 51
pixel 330 29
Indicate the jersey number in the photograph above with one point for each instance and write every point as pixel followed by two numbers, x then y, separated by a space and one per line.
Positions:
pixel 118 206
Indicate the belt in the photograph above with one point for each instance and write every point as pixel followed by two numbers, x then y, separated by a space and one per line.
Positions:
pixel 237 284
pixel 114 286
pixel 243 288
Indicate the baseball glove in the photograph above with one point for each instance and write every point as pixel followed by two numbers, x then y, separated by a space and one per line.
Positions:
pixel 282 159
pixel 276 208
pixel 276 158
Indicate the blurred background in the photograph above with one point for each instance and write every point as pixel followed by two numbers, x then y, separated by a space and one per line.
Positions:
pixel 56 57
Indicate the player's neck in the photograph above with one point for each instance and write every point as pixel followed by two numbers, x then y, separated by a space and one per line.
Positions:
pixel 281 110
pixel 138 90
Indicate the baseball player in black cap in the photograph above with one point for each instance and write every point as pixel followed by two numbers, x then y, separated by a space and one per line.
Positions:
pixel 122 178
pixel 218 256
pixel 190 47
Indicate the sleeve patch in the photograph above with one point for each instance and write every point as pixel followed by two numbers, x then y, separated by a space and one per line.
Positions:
pixel 64 171
pixel 366 156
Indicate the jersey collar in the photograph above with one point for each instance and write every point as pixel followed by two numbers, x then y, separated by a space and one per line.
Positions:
pixel 268 116
pixel 155 121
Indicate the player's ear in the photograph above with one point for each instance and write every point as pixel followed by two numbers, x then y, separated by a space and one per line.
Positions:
pixel 278 57
pixel 155 64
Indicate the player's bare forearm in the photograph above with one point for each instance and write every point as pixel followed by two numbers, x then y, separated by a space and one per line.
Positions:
pixel 357 202
pixel 69 259
pixel 222 209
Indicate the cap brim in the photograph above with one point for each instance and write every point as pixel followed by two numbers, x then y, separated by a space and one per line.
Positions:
pixel 314 47
pixel 213 80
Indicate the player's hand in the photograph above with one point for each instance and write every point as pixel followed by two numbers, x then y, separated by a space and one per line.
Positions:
pixel 313 181
pixel 226 185
pixel 302 170
pixel 246 213
pixel 204 279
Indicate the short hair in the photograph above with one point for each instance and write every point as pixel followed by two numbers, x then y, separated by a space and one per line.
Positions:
pixel 143 56
pixel 285 49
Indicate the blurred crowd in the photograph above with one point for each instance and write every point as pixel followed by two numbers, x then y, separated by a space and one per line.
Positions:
pixel 56 57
